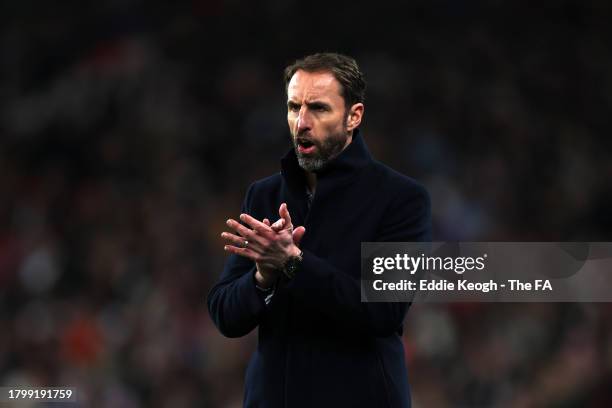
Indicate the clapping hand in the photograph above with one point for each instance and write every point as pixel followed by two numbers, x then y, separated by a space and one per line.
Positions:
pixel 268 245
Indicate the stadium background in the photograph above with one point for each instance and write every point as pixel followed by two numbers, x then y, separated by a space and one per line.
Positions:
pixel 129 131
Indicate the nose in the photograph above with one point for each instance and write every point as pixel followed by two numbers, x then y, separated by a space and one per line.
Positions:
pixel 303 120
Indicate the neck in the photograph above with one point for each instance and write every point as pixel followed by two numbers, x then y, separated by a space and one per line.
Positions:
pixel 311 180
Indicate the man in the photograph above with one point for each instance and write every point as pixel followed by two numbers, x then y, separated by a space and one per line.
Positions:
pixel 319 345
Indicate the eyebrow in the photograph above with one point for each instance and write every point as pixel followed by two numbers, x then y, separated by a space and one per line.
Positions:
pixel 312 105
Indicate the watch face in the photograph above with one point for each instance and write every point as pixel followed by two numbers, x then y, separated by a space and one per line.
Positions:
pixel 290 271
pixel 291 267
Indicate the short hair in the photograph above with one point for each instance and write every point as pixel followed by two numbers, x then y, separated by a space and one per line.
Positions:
pixel 343 68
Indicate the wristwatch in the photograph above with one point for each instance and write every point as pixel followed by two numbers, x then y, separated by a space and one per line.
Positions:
pixel 292 265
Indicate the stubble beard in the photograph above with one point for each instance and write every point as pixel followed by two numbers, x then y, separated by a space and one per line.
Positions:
pixel 327 150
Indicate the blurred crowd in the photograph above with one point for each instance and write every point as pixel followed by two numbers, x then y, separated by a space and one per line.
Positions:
pixel 129 132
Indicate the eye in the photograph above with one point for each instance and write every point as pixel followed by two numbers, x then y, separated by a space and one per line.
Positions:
pixel 319 107
pixel 293 107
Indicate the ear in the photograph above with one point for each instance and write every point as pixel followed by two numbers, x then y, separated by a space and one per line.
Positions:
pixel 353 120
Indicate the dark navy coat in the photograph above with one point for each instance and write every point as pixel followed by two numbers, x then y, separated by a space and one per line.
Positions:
pixel 319 345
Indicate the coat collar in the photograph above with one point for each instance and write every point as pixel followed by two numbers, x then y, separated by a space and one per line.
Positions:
pixel 346 164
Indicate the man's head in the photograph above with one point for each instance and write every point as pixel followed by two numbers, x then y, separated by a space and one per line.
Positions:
pixel 325 94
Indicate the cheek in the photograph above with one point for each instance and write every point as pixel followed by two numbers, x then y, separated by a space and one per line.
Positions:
pixel 291 122
pixel 334 125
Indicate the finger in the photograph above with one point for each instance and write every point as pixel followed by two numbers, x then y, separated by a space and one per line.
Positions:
pixel 266 221
pixel 283 211
pixel 298 234
pixel 244 252
pixel 258 226
pixel 240 242
pixel 278 225
pixel 243 231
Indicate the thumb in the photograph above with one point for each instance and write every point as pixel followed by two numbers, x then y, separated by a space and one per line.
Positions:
pixel 298 234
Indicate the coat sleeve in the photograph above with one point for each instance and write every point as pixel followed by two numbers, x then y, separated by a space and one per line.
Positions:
pixel 337 295
pixel 235 304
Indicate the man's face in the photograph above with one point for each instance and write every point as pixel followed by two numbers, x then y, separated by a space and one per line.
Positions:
pixel 317 118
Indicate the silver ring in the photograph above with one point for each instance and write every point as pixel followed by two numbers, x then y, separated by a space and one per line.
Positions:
pixel 246 243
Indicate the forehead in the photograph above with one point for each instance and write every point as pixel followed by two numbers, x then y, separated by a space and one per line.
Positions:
pixel 313 85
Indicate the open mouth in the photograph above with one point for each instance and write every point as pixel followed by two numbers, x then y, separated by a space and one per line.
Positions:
pixel 305 146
